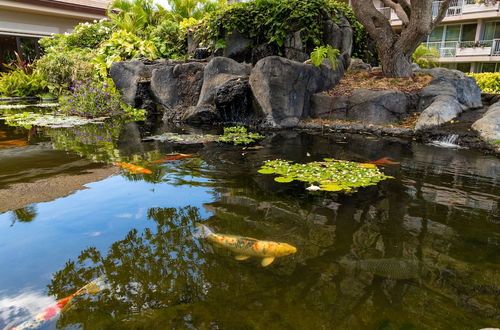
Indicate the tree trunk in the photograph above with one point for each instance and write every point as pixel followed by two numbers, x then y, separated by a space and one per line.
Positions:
pixel 396 65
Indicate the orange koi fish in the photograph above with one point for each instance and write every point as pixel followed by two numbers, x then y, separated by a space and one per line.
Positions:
pixel 383 161
pixel 13 143
pixel 51 312
pixel 171 158
pixel 245 247
pixel 134 168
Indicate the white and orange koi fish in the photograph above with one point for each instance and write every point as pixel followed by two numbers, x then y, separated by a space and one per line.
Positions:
pixel 50 313
pixel 245 247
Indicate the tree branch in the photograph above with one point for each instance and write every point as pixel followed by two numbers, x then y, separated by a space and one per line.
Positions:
pixel 445 5
pixel 402 15
pixel 406 7
pixel 376 24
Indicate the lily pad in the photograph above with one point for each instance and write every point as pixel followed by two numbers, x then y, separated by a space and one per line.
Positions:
pixel 328 175
pixel 238 135
pixel 28 119
pixel 183 138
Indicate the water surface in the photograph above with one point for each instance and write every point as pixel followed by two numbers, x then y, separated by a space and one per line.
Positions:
pixel 421 250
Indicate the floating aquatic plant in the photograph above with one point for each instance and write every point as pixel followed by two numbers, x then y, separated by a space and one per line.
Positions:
pixel 183 138
pixel 327 175
pixel 238 135
pixel 28 119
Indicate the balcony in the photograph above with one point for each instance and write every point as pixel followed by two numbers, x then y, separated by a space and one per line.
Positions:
pixel 457 8
pixel 449 49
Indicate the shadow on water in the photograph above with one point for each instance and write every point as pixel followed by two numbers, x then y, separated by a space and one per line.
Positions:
pixel 418 251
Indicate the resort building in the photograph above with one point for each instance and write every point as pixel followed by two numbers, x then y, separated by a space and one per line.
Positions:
pixel 468 39
pixel 23 22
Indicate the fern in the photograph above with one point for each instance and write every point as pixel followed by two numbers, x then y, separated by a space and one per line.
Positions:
pixel 321 53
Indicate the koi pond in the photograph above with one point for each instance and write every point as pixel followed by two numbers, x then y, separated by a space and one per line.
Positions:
pixel 100 229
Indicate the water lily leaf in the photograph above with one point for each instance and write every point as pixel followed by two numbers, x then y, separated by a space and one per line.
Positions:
pixel 331 187
pixel 266 171
pixel 366 165
pixel 282 179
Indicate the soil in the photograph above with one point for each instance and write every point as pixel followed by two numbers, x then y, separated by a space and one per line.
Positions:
pixel 376 81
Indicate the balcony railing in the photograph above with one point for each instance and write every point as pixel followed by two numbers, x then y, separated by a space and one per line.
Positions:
pixel 449 49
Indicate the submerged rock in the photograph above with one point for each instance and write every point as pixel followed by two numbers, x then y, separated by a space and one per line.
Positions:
pixel 283 88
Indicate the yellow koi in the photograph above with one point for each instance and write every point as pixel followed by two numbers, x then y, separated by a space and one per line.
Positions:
pixel 246 247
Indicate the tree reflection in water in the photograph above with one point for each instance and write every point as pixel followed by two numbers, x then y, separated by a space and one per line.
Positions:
pixel 24 214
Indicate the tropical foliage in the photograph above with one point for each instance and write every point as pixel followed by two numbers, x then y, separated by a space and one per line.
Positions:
pixel 321 53
pixel 489 82
pixel 426 57
pixel 18 83
pixel 328 175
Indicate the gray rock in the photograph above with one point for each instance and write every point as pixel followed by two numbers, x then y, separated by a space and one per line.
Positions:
pixel 332 34
pixel 415 67
pixel 377 107
pixel 127 75
pixel 357 65
pixel 294 49
pixel 233 101
pixel 447 95
pixel 200 115
pixel 238 47
pixel 468 92
pixel 262 51
pixel 179 85
pixel 201 53
pixel 329 107
pixel 217 72
pixel 443 108
pixel 488 127
pixel 283 88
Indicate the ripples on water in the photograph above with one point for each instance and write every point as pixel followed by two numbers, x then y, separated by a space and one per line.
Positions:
pixel 418 251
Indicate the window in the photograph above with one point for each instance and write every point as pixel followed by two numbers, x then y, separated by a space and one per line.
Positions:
pixel 488 67
pixel 468 32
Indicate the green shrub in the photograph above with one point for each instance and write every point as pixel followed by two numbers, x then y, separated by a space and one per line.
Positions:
pixel 321 53
pixel 270 21
pixel 62 69
pixel 489 82
pixel 18 83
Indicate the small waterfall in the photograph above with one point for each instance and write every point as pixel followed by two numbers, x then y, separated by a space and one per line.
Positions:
pixel 449 141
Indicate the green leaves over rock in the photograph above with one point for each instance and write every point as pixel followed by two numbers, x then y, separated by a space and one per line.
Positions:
pixel 329 175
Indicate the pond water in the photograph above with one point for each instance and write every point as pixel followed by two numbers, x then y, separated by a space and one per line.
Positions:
pixel 421 250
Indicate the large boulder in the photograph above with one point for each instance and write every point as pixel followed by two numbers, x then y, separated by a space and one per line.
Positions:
pixel 443 108
pixel 224 94
pixel 447 95
pixel 238 47
pixel 128 75
pixel 283 88
pixel 329 107
pixel 219 71
pixel 233 101
pixel 488 127
pixel 377 107
pixel 179 85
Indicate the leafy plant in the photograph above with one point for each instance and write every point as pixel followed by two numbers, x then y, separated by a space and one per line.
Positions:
pixel 328 175
pixel 238 135
pixel 124 45
pixel 19 64
pixel 18 83
pixel 489 82
pixel 426 57
pixel 321 53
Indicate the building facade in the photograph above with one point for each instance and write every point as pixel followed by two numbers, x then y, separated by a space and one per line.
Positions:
pixel 468 39
pixel 23 22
